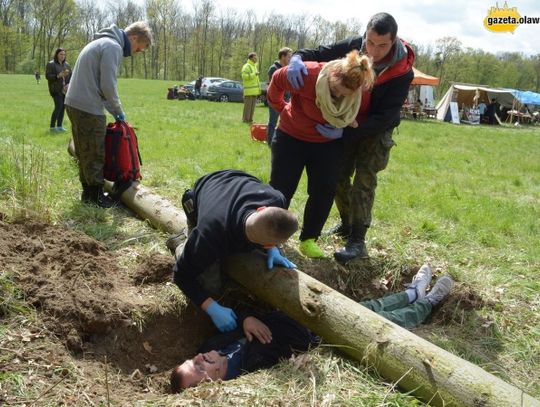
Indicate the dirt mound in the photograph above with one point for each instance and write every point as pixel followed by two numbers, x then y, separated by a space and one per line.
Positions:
pixel 66 274
pixel 154 269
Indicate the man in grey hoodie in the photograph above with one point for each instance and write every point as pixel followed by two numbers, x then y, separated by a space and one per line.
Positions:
pixel 92 88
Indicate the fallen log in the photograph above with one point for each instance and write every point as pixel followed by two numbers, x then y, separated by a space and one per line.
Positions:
pixel 414 364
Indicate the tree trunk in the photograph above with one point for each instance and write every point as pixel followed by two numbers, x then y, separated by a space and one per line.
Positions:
pixel 416 365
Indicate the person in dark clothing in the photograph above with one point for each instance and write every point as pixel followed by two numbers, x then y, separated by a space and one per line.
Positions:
pixel 491 110
pixel 284 56
pixel 37 75
pixel 58 74
pixel 228 212
pixel 266 340
pixel 367 147
pixel 197 87
pixel 261 343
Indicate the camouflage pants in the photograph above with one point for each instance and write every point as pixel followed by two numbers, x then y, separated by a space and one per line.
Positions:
pixel 364 158
pixel 89 139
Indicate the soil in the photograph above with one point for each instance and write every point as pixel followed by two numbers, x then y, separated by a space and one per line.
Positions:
pixel 94 316
pixel 90 311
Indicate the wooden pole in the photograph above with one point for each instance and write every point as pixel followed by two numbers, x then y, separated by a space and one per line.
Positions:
pixel 427 371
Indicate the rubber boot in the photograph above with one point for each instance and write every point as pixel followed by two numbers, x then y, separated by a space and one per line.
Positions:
pixel 355 247
pixel 342 229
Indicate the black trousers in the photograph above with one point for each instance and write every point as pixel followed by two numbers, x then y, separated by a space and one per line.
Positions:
pixel 322 162
pixel 57 116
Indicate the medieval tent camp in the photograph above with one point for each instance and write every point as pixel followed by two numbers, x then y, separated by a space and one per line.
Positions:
pixel 468 95
pixel 422 88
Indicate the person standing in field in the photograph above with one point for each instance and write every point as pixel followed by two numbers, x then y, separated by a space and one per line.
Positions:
pixel 284 56
pixel 58 73
pixel 367 147
pixel 252 86
pixel 94 87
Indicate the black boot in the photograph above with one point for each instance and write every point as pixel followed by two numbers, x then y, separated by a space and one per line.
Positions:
pixel 342 229
pixel 355 247
pixel 85 196
pixel 97 197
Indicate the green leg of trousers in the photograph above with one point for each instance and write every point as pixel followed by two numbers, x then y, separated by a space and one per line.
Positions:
pixel 396 308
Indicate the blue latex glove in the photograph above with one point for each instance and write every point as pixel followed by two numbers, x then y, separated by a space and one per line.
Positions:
pixel 295 70
pixel 223 318
pixel 121 117
pixel 329 131
pixel 274 257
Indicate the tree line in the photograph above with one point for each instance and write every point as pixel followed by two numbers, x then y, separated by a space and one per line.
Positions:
pixel 212 41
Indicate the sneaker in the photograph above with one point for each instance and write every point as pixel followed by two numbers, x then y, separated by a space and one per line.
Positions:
pixel 420 281
pixel 61 129
pixel 440 290
pixel 309 248
pixel 52 130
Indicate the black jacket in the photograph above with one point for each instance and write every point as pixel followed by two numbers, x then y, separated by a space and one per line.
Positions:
pixel 223 200
pixel 288 336
pixel 388 93
pixel 56 85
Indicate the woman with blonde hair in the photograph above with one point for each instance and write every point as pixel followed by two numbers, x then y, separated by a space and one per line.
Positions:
pixel 309 134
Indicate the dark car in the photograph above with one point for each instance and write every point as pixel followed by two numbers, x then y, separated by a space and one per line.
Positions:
pixel 226 91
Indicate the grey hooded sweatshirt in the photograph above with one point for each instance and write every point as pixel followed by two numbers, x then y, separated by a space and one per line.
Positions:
pixel 93 84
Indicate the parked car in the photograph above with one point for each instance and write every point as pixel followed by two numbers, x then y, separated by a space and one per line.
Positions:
pixel 226 91
pixel 190 86
pixel 207 82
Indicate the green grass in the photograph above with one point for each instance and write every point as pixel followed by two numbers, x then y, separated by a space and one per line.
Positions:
pixel 465 198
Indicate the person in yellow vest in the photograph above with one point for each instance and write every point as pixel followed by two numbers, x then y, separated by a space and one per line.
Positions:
pixel 252 87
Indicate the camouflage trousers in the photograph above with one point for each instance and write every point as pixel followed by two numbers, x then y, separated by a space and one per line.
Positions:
pixel 364 158
pixel 89 139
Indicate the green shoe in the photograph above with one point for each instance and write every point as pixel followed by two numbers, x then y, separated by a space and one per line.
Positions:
pixel 310 249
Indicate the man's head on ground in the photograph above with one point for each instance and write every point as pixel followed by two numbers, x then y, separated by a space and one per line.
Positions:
pixel 207 366
pixel 140 36
pixel 355 71
pixel 381 33
pixel 284 56
pixel 270 226
pixel 252 56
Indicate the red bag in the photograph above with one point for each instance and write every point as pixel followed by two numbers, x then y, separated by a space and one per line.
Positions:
pixel 258 132
pixel 122 159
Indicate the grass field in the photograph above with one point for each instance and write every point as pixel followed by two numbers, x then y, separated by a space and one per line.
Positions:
pixel 466 199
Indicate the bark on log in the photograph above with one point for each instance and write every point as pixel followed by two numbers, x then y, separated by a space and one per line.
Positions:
pixel 416 365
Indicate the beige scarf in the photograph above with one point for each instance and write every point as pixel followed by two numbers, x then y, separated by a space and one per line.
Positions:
pixel 339 112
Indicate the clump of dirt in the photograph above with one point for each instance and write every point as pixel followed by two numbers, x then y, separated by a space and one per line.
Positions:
pixel 154 269
pixel 66 274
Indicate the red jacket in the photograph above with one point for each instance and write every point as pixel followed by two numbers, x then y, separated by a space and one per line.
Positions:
pixel 298 117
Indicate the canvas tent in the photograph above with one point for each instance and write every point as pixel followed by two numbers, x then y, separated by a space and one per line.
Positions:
pixel 464 94
pixel 422 87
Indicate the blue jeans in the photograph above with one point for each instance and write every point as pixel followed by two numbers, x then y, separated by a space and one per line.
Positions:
pixel 272 121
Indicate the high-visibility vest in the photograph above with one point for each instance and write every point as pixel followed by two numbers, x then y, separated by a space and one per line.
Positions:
pixel 250 78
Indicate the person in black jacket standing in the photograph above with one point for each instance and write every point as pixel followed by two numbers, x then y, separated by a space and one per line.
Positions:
pixel 284 56
pixel 58 73
pixel 368 146
pixel 227 212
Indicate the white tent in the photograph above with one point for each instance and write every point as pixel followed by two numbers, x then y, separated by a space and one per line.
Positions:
pixel 469 95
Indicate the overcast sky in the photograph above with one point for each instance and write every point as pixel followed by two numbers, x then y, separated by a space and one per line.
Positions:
pixel 420 21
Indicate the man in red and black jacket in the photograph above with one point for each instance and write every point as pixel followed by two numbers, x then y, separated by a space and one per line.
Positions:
pixel 367 147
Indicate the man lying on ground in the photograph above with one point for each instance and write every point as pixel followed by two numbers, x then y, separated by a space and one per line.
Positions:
pixel 264 342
